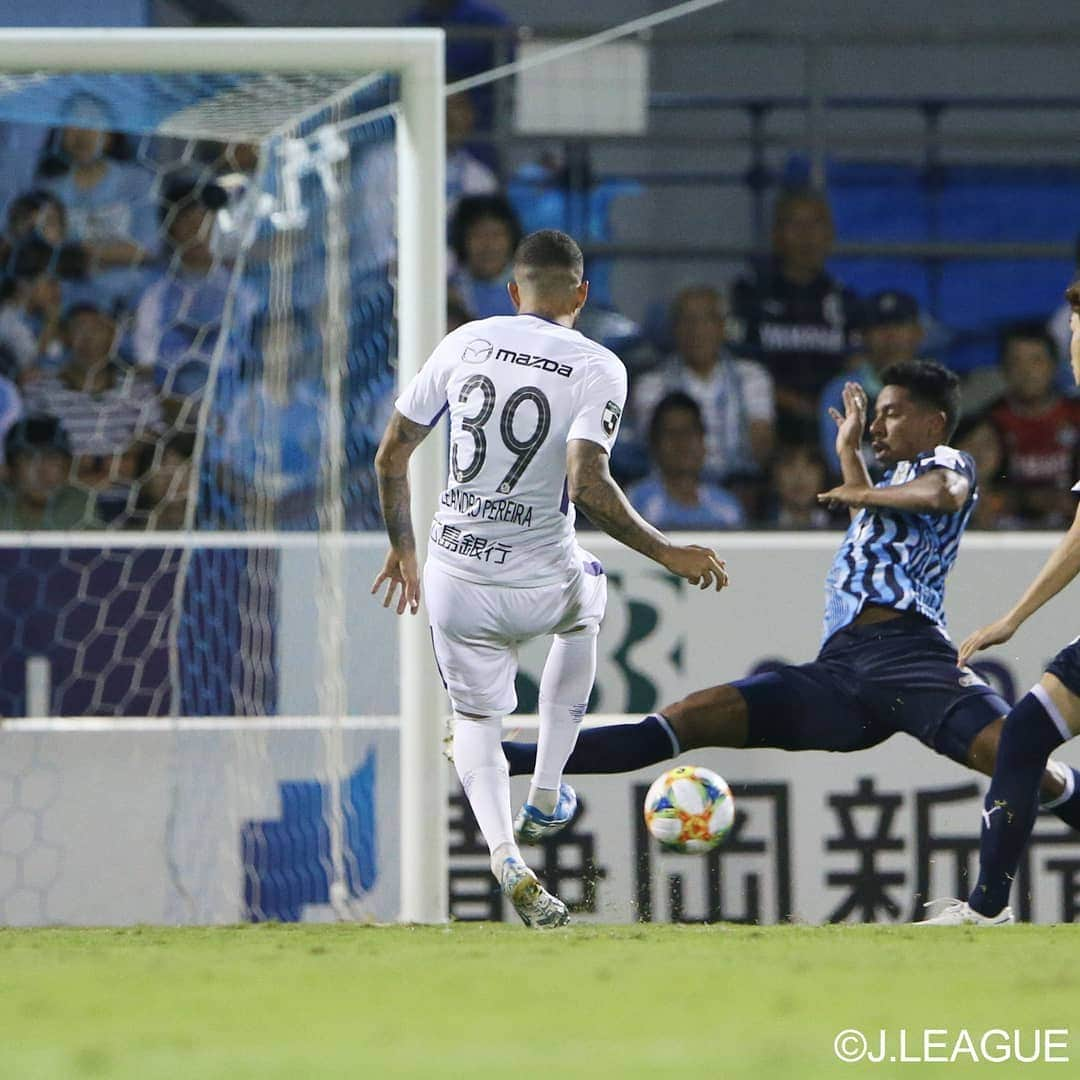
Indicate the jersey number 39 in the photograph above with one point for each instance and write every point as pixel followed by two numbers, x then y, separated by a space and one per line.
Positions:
pixel 523 449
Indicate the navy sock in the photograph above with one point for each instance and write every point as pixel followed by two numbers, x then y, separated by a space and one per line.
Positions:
pixel 614 749
pixel 1068 808
pixel 1027 740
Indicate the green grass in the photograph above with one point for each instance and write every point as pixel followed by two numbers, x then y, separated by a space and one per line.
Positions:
pixel 308 1002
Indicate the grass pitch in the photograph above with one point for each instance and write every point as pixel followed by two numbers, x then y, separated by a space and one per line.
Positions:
pixel 308 1002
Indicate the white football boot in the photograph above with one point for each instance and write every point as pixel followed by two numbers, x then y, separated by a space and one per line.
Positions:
pixel 961 913
pixel 536 906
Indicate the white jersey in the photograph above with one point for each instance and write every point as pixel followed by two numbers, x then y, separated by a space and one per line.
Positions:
pixel 518 388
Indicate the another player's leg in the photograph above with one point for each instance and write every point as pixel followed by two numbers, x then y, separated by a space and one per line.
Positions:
pixel 1041 721
pixel 808 707
pixel 1036 725
pixel 565 686
pixel 713 717
pixel 1059 784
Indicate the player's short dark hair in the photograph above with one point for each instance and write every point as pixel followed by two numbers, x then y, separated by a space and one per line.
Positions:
pixel 675 400
pixel 474 208
pixel 1027 331
pixel 929 384
pixel 549 249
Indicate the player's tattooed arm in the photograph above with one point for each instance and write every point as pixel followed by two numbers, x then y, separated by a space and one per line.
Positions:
pixel 401 438
pixel 591 487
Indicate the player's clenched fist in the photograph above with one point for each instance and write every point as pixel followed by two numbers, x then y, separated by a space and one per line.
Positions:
pixel 699 565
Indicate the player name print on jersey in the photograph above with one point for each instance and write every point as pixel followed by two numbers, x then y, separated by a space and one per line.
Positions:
pixel 474 506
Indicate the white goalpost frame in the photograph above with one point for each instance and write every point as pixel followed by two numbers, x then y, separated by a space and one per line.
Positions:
pixel 416 56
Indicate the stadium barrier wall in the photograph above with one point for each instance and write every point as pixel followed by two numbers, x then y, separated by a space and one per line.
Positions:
pixel 219 820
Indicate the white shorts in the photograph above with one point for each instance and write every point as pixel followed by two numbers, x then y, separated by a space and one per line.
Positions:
pixel 476 630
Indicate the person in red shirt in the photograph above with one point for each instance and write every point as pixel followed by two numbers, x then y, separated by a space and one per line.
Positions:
pixel 1039 429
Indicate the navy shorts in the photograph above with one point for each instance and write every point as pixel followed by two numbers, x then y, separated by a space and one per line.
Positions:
pixel 1066 666
pixel 868 683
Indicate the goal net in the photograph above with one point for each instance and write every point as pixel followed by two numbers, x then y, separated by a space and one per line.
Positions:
pixel 208 299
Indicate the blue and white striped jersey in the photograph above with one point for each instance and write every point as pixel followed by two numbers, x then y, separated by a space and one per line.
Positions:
pixel 899 559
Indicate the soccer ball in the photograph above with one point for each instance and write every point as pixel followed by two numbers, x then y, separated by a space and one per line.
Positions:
pixel 689 809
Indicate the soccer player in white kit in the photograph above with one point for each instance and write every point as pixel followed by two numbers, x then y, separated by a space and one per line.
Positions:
pixel 534 411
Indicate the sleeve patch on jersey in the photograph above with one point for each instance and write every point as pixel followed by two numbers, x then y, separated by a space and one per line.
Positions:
pixel 948 458
pixel 610 419
pixel 477 351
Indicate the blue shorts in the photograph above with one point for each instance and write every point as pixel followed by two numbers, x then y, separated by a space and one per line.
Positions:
pixel 1066 666
pixel 868 683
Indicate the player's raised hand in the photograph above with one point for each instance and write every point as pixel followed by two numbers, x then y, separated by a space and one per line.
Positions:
pixel 700 566
pixel 400 571
pixel 850 426
pixel 995 633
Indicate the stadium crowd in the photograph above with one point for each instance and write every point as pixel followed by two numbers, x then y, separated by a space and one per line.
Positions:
pixel 116 290
pixel 728 424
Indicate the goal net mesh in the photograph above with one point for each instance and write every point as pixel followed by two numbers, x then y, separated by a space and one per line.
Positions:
pixel 199 270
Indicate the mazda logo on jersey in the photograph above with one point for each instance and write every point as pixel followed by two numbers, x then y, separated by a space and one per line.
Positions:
pixel 610 419
pixel 477 351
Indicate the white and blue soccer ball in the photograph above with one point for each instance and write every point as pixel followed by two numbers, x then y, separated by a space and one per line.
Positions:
pixel 690 809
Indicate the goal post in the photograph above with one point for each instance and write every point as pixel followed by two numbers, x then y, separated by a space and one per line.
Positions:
pixel 416 58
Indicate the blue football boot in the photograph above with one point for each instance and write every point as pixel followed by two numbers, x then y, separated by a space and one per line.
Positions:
pixel 531 826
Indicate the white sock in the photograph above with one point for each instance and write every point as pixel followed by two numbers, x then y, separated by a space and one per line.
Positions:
pixel 485 778
pixel 565 686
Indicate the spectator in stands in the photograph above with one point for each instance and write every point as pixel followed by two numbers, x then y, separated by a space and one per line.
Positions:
pixel 163 483
pixel 108 197
pixel 474 48
pixel 793 315
pixel 677 495
pixel 30 299
pixel 104 406
pixel 466 174
pixel 11 407
pixel 978 436
pixel 37 213
pixel 735 396
pixel 1040 431
pixel 38 218
pixel 484 233
pixel 891 334
pixel 799 473
pixel 39 494
pixel 181 316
